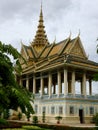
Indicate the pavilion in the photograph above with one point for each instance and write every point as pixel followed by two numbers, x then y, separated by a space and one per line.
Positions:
pixel 51 73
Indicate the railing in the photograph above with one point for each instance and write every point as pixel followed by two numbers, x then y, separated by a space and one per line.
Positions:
pixel 69 95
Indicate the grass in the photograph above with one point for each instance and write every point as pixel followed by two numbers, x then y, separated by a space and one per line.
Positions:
pixel 27 128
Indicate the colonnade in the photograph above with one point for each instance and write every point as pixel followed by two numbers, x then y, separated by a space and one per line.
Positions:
pixel 68 83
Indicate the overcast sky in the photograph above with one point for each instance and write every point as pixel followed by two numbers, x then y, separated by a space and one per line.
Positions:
pixel 19 20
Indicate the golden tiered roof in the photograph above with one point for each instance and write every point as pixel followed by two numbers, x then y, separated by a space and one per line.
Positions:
pixel 40 40
pixel 42 56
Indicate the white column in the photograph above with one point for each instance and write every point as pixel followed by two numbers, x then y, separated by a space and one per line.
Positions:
pixel 73 83
pixel 84 84
pixel 50 84
pixel 42 85
pixel 59 83
pixel 90 87
pixel 34 84
pixel 65 82
pixel 27 83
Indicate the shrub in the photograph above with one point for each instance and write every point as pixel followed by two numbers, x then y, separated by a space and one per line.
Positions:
pixel 3 122
pixel 19 115
pixel 95 119
pixel 28 115
pixel 6 113
pixel 43 117
pixel 58 118
pixel 31 127
pixel 35 119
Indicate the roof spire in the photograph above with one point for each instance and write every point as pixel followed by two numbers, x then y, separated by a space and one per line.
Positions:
pixel 41 4
pixel 40 37
pixel 79 33
pixel 70 34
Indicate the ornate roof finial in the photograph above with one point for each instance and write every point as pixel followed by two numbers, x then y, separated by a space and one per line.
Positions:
pixel 41 4
pixel 54 40
pixel 40 38
pixel 21 42
pixel 79 33
pixel 70 34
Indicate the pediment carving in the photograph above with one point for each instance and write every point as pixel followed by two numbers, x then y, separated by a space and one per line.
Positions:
pixel 77 50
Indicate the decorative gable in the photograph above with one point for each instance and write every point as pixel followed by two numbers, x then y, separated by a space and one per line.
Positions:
pixel 77 49
pixel 24 53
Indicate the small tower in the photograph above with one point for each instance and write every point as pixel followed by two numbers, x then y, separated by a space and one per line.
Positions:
pixel 40 40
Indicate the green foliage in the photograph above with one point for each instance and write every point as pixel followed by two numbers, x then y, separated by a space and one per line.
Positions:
pixel 33 128
pixel 28 115
pixel 6 113
pixel 96 75
pixel 19 115
pixel 58 117
pixel 13 95
pixel 43 117
pixel 95 119
pixel 3 122
pixel 14 129
pixel 28 128
pixel 35 120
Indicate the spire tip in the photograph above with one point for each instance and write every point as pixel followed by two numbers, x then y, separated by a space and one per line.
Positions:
pixel 70 34
pixel 79 33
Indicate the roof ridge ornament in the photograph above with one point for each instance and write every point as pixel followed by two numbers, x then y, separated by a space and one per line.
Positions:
pixel 41 4
pixel 79 33
pixel 21 42
pixel 54 40
pixel 70 34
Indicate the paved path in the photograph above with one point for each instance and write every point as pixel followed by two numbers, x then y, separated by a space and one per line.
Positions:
pixel 68 124
pixel 82 125
pixel 75 124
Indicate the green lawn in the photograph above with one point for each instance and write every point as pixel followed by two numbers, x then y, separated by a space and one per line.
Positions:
pixel 27 128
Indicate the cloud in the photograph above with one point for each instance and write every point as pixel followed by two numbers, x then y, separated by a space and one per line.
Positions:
pixel 19 20
pixel 16 9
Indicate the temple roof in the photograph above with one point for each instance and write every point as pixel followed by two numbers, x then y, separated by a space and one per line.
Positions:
pixel 41 56
pixel 69 52
pixel 40 39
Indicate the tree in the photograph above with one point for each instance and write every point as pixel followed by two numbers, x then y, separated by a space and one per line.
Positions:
pixel 96 75
pixel 28 115
pixel 12 95
pixel 35 120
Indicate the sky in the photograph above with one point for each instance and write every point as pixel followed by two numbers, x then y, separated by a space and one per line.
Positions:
pixel 19 20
